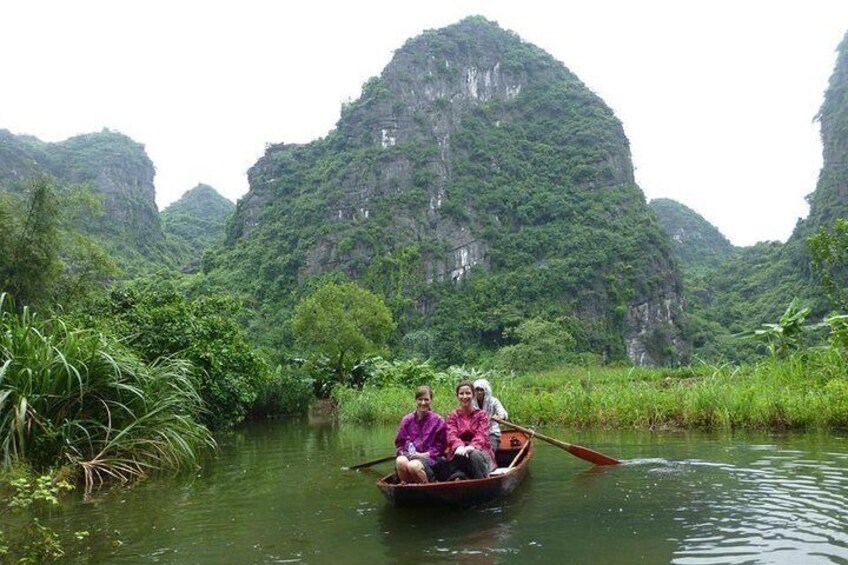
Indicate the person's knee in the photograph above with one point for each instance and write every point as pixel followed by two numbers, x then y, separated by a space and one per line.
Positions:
pixel 416 465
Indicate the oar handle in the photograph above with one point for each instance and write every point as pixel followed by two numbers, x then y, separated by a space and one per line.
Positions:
pixel 369 463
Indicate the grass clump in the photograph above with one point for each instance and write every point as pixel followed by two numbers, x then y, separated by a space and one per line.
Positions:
pixel 77 398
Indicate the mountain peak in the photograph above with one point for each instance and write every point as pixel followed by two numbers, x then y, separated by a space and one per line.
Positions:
pixel 473 156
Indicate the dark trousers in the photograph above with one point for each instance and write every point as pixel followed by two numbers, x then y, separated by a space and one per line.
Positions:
pixel 475 466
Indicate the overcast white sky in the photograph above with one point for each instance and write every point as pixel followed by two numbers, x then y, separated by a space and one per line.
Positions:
pixel 717 97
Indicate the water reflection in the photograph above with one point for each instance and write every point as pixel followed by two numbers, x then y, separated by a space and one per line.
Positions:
pixel 476 535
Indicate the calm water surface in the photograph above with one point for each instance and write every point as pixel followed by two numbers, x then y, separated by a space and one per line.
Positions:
pixel 277 493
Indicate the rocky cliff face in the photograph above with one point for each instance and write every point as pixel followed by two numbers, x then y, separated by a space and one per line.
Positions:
pixel 110 164
pixel 473 155
pixel 830 199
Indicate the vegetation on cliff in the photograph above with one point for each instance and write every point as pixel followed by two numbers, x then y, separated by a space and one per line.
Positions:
pixel 109 165
pixel 475 183
pixel 475 205
pixel 194 223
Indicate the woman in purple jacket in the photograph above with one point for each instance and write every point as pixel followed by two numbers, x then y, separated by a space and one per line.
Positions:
pixel 420 441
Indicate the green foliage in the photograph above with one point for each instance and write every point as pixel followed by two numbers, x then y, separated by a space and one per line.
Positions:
pixel 29 260
pixel 342 322
pixel 697 243
pixel 389 391
pixel 33 542
pixel 378 372
pixel 750 288
pixel 806 390
pixel 110 166
pixel 536 185
pixel 75 397
pixel 44 257
pixel 829 250
pixel 542 344
pixel 289 390
pixel 160 323
pixel 195 223
pixel 788 334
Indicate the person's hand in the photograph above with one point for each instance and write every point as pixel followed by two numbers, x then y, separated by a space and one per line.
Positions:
pixel 460 451
pixel 468 450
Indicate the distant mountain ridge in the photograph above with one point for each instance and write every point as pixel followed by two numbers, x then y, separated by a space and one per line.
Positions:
pixel 696 241
pixel 196 222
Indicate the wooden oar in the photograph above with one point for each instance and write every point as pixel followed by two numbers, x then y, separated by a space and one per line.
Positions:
pixel 374 462
pixel 584 453
pixel 521 451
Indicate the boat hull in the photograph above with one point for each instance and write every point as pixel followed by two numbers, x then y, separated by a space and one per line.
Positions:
pixel 466 492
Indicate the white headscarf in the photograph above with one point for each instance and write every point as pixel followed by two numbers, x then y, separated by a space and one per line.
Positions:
pixel 491 405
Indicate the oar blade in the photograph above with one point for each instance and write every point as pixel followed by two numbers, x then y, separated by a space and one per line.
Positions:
pixel 591 455
pixel 584 453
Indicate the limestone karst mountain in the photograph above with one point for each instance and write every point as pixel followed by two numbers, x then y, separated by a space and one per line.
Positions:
pixel 696 241
pixel 475 183
pixel 110 165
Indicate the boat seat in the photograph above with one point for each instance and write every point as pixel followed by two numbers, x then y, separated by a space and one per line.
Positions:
pixel 500 471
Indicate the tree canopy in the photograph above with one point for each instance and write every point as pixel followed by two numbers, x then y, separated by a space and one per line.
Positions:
pixel 343 322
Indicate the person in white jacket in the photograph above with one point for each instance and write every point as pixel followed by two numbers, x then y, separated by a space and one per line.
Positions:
pixel 484 400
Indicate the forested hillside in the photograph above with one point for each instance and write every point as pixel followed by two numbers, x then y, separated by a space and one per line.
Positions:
pixel 696 242
pixel 757 284
pixel 194 223
pixel 475 184
pixel 110 166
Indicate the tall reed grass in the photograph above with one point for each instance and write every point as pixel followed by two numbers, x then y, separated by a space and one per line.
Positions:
pixel 806 391
pixel 74 397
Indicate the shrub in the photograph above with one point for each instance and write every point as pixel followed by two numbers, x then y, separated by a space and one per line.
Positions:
pixel 160 323
pixel 76 397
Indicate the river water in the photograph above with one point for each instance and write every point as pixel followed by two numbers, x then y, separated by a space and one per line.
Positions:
pixel 277 493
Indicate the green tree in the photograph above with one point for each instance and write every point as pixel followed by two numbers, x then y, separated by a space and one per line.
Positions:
pixel 829 249
pixel 789 333
pixel 343 322
pixel 541 344
pixel 30 260
pixel 45 258
pixel 161 323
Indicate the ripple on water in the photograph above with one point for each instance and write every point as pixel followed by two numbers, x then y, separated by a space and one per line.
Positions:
pixel 783 508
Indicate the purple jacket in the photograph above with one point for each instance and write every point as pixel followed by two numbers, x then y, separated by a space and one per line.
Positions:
pixel 429 435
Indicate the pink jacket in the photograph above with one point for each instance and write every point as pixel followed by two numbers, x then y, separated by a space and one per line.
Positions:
pixel 473 429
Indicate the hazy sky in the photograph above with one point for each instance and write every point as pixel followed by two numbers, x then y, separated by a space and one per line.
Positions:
pixel 717 97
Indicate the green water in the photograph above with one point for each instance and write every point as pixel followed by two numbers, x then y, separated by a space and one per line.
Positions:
pixel 277 493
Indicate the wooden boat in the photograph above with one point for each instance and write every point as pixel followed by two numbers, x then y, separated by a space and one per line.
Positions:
pixel 513 458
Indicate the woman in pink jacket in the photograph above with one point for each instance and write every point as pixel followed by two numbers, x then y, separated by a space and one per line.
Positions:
pixel 469 448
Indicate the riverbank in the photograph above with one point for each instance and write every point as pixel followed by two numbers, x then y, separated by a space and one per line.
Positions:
pixel 806 391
